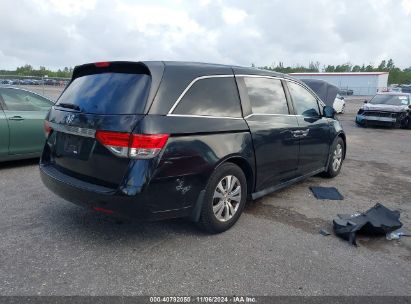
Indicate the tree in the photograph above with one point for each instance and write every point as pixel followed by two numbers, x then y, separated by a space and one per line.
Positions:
pixel 382 66
pixel 330 68
pixel 356 68
pixel 390 65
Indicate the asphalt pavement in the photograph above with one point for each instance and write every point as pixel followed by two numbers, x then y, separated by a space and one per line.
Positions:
pixel 51 247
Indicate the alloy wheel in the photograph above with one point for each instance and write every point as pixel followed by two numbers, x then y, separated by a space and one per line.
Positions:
pixel 226 198
pixel 337 157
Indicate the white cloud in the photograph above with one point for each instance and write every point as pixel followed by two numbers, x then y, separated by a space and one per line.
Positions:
pixel 67 7
pixel 58 33
pixel 406 4
pixel 233 15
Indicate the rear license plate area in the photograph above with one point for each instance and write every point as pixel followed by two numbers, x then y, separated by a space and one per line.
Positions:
pixel 74 146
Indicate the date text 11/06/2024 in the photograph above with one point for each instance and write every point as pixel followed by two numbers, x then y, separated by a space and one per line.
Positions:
pixel 201 299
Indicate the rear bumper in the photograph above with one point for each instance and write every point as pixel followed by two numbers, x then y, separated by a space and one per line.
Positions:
pixel 96 197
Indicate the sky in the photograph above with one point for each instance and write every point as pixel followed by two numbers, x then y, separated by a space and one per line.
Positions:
pixel 65 33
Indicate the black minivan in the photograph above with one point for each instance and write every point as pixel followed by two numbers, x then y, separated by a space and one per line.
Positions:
pixel 157 140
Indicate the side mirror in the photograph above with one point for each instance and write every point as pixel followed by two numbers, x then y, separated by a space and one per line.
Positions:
pixel 365 101
pixel 329 112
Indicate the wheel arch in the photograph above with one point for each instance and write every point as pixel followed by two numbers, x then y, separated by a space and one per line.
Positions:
pixel 246 167
pixel 343 137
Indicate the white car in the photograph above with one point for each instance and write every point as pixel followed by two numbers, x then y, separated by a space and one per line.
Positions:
pixel 339 104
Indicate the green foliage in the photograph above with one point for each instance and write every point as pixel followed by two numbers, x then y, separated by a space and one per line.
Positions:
pixel 396 75
pixel 28 70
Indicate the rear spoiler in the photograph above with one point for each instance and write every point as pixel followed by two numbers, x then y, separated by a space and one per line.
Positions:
pixel 326 91
pixel 110 66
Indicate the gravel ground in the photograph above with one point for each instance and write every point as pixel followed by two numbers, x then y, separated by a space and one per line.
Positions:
pixel 51 247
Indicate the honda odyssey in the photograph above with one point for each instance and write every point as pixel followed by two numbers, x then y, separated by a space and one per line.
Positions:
pixel 157 140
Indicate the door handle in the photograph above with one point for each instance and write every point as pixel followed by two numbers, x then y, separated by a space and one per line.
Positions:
pixel 305 132
pixel 16 118
pixel 300 133
pixel 296 133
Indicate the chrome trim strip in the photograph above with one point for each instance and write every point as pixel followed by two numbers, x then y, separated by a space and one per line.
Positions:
pixel 262 114
pixel 203 116
pixel 260 76
pixel 300 83
pixel 73 130
pixel 190 85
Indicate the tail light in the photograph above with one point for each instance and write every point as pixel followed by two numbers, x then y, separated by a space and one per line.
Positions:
pixel 139 146
pixel 47 128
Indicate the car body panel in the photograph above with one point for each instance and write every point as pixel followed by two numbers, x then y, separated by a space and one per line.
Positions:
pixel 26 131
pixel 276 148
pixel 315 145
pixel 4 135
pixel 22 130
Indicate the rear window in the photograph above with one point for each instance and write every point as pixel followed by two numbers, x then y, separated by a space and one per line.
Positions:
pixel 108 93
pixel 211 97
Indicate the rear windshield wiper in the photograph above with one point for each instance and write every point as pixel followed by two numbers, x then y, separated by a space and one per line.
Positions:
pixel 68 106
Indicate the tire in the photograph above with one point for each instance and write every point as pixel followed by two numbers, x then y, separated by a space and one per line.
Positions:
pixel 361 125
pixel 407 123
pixel 336 157
pixel 215 219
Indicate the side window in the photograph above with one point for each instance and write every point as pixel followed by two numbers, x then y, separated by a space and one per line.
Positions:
pixel 16 100
pixel 304 102
pixel 211 97
pixel 266 95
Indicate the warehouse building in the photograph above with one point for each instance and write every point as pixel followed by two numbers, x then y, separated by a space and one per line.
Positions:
pixel 357 83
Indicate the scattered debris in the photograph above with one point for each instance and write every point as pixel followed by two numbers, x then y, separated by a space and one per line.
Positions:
pixel 378 220
pixel 348 216
pixel 330 193
pixel 395 235
pixel 324 232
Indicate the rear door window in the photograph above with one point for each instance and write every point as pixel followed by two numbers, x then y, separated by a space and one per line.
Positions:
pixel 216 96
pixel 304 102
pixel 108 93
pixel 266 95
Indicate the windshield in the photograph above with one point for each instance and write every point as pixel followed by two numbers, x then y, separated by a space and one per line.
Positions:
pixel 107 93
pixel 395 100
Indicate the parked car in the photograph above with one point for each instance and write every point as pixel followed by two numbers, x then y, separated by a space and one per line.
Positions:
pixel 6 82
pixel 22 116
pixel 48 81
pixel 346 92
pixel 155 140
pixel 405 88
pixel 339 104
pixel 386 109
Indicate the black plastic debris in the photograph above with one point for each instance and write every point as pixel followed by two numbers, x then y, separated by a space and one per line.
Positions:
pixel 330 193
pixel 324 232
pixel 396 234
pixel 378 220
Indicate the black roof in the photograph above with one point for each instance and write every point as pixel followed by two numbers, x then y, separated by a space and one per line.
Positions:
pixel 174 77
pixel 218 67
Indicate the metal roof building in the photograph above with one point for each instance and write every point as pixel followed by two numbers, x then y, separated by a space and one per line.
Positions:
pixel 361 83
